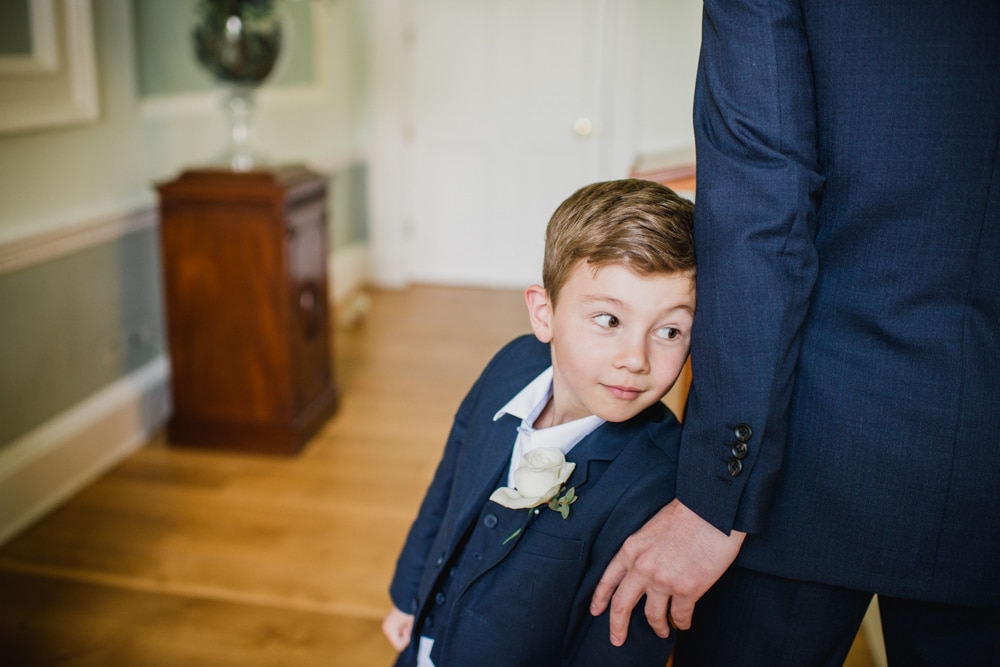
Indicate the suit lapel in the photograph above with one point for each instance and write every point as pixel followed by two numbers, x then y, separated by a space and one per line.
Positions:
pixel 595 452
pixel 472 491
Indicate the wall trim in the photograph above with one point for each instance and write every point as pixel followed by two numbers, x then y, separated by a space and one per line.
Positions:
pixel 347 271
pixel 43 468
pixel 20 253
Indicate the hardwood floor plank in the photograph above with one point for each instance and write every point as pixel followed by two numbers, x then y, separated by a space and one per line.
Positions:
pixel 47 621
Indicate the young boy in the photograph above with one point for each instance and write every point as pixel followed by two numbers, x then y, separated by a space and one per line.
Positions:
pixel 560 451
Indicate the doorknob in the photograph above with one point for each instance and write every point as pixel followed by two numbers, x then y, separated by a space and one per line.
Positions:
pixel 583 127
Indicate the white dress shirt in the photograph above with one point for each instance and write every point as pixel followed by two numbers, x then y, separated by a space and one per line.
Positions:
pixel 527 405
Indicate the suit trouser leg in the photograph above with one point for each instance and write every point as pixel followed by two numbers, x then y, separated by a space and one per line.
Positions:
pixel 750 619
pixel 939 635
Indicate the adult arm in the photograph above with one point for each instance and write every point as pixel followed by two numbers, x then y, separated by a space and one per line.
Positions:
pixel 757 192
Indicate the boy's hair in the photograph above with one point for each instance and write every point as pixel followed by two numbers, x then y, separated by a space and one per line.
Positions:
pixel 641 224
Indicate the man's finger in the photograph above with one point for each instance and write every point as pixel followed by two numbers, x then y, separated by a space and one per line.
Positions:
pixel 612 576
pixel 681 611
pixel 657 608
pixel 622 604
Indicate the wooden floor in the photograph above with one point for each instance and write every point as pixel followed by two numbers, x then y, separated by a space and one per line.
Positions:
pixel 192 557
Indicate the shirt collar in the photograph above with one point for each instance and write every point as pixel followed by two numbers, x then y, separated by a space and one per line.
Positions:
pixel 528 403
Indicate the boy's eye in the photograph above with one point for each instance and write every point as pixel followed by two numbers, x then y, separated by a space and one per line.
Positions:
pixel 669 333
pixel 609 321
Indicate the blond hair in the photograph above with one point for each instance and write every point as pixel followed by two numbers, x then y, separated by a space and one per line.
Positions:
pixel 640 224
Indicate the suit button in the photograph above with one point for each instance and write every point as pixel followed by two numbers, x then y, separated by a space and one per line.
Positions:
pixel 440 598
pixel 414 605
pixel 429 622
pixel 490 520
pixel 739 450
pixel 743 432
pixel 735 467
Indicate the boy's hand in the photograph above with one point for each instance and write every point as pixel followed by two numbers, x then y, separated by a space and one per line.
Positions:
pixel 672 560
pixel 398 628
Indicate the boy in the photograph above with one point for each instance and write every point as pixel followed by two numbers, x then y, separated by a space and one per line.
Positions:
pixel 508 546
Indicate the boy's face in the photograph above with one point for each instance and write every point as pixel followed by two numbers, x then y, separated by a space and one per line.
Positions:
pixel 619 340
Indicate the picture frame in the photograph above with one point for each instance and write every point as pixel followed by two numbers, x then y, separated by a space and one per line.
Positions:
pixel 53 81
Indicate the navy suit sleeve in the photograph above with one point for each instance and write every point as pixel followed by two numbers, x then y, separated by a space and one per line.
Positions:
pixel 413 557
pixel 505 375
pixel 757 192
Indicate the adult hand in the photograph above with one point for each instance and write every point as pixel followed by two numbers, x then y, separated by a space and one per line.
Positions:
pixel 398 628
pixel 672 560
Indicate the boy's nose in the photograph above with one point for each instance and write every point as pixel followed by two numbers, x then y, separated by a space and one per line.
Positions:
pixel 631 355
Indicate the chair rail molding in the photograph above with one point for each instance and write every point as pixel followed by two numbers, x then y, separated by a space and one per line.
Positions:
pixel 26 250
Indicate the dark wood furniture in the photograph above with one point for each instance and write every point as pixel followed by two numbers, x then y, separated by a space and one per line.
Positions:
pixel 244 265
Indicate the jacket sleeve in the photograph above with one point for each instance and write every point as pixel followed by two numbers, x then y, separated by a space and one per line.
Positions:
pixel 505 374
pixel 757 192
pixel 410 565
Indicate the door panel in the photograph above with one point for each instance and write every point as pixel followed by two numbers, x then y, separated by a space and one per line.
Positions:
pixel 494 91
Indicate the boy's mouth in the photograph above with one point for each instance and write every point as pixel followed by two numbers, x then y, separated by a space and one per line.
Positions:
pixel 623 392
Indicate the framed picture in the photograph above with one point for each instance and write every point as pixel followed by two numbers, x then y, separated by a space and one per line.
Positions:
pixel 47 71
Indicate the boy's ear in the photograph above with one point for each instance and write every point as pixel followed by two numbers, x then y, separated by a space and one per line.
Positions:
pixel 539 312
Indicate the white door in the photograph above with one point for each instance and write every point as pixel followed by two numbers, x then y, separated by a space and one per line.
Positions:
pixel 507 108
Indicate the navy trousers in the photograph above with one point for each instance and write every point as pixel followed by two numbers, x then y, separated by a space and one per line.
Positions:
pixel 749 619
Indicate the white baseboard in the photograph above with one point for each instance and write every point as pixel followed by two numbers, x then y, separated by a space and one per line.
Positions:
pixel 47 465
pixel 347 271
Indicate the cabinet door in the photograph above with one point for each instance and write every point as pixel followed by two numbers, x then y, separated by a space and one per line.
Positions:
pixel 224 288
pixel 309 318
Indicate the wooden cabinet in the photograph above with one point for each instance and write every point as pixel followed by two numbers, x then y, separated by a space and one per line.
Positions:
pixel 244 265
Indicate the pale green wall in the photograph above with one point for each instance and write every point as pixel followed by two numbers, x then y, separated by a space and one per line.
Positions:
pixel 111 165
pixel 74 324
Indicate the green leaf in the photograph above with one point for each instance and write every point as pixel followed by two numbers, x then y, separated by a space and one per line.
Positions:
pixel 564 510
pixel 512 536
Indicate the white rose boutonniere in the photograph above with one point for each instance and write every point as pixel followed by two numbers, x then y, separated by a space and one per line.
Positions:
pixel 538 479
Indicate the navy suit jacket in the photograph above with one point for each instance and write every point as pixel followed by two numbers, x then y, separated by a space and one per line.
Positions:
pixel 847 230
pixel 526 602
